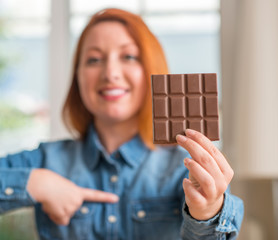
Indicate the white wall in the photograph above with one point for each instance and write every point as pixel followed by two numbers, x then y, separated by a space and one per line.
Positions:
pixel 249 35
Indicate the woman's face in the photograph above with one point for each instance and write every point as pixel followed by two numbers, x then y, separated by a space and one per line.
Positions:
pixel 110 76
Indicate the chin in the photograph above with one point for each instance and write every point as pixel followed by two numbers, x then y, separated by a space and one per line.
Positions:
pixel 117 119
pixel 116 115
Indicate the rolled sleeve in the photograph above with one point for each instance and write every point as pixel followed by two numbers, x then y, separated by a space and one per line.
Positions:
pixel 224 225
pixel 13 184
pixel 231 216
pixel 15 171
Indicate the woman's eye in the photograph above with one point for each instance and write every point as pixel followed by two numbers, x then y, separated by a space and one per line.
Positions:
pixel 93 60
pixel 130 57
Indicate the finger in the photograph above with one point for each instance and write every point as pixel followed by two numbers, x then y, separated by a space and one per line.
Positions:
pixel 212 150
pixel 193 180
pixel 197 204
pixel 60 220
pixel 199 154
pixel 205 180
pixel 220 183
pixel 192 195
pixel 58 216
pixel 98 196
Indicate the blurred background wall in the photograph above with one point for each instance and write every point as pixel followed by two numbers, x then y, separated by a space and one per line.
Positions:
pixel 249 53
pixel 237 39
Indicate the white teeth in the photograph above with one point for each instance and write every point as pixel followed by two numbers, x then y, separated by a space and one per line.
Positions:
pixel 113 92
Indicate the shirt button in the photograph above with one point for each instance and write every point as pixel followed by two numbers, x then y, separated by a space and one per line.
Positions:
pixel 112 219
pixel 223 222
pixel 84 210
pixel 114 178
pixel 9 191
pixel 141 214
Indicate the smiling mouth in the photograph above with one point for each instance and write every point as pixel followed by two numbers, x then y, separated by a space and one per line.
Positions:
pixel 113 93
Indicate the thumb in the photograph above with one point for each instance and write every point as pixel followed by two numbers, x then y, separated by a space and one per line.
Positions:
pixel 98 196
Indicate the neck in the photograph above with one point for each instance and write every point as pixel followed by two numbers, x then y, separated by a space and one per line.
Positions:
pixel 113 135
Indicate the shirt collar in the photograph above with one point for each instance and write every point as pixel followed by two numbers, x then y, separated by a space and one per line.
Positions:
pixel 133 151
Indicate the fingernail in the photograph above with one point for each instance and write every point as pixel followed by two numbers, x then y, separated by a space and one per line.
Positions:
pixel 189 132
pixel 115 198
pixel 181 138
pixel 185 161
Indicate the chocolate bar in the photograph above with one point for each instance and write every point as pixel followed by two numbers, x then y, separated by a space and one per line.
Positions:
pixel 182 101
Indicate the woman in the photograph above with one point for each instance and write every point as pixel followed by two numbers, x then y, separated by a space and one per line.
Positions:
pixel 112 182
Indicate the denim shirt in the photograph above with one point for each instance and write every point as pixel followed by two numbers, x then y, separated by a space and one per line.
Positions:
pixel 148 182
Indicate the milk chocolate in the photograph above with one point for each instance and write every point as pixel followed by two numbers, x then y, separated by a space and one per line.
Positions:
pixel 182 101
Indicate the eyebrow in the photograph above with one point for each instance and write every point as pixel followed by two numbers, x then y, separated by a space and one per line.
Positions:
pixel 128 44
pixel 122 46
pixel 93 48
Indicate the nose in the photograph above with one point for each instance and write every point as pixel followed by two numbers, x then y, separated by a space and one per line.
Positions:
pixel 112 70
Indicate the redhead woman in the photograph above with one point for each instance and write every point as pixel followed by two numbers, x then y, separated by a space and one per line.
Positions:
pixel 111 182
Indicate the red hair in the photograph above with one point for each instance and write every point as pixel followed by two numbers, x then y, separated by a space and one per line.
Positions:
pixel 75 115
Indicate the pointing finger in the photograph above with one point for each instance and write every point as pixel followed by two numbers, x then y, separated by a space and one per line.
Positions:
pixel 98 196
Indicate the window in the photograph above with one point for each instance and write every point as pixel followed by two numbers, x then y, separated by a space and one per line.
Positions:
pixel 188 30
pixel 24 30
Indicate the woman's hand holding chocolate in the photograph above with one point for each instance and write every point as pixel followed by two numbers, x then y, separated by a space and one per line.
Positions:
pixel 209 175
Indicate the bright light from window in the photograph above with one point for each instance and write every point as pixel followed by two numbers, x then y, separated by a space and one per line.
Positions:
pixel 180 5
pixel 25 9
pixel 27 29
pixel 89 7
pixel 187 23
pixel 24 115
